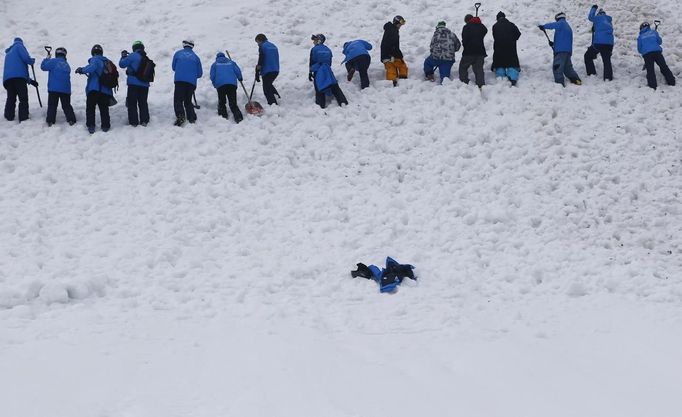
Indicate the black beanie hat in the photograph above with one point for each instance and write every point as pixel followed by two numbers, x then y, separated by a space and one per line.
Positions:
pixel 500 15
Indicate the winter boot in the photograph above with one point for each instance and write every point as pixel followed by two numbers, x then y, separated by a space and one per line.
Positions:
pixel 362 271
pixel 179 121
pixel 351 72
pixel 430 77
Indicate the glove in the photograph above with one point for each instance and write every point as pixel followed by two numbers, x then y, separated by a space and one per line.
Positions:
pixel 551 44
pixel 257 74
pixel 383 61
pixel 33 82
pixel 124 53
pixel 541 27
pixel 310 76
pixel 594 6
pixel 79 70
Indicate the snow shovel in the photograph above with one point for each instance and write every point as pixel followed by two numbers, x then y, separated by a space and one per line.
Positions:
pixel 35 84
pixel 195 104
pixel 656 23
pixel 551 44
pixel 251 107
pixel 477 6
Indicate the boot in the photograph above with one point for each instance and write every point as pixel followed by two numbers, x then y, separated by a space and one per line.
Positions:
pixel 351 72
pixel 179 121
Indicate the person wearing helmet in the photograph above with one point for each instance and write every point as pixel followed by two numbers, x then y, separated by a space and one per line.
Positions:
pixel 268 67
pixel 14 79
pixel 443 46
pixel 321 73
pixel 58 86
pixel 649 46
pixel 225 74
pixel 138 90
pixel 391 55
pixel 187 67
pixel 602 42
pixel 357 59
pixel 563 49
pixel 474 52
pixel 505 56
pixel 97 95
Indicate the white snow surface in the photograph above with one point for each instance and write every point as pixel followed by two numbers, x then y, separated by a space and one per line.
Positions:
pixel 204 271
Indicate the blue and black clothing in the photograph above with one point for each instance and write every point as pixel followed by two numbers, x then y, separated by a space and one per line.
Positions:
pixel 138 90
pixel 323 77
pixel 602 43
pixel 358 59
pixel 268 68
pixel 14 79
pixel 97 95
pixel 649 46
pixel 58 88
pixel 562 66
pixel 225 74
pixel 187 67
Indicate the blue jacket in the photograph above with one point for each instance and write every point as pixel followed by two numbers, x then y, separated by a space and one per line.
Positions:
pixel 268 58
pixel 602 27
pixel 187 66
pixel 132 63
pixel 17 60
pixel 354 49
pixel 649 41
pixel 225 71
pixel 94 70
pixel 563 36
pixel 59 80
pixel 320 64
pixel 320 54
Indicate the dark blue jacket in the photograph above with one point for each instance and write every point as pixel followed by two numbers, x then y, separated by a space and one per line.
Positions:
pixel 320 65
pixel 563 36
pixel 225 71
pixel 649 41
pixel 354 49
pixel 132 64
pixel 94 70
pixel 603 28
pixel 187 66
pixel 268 58
pixel 17 60
pixel 59 79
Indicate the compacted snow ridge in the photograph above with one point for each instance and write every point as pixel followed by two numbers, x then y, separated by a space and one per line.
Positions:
pixel 204 271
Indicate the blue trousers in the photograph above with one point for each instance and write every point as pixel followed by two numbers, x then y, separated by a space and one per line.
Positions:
pixel 444 67
pixel 563 67
pixel 511 73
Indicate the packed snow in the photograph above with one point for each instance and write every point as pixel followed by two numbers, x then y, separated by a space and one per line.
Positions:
pixel 204 270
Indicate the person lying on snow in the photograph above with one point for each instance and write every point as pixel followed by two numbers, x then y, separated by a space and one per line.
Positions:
pixel 388 278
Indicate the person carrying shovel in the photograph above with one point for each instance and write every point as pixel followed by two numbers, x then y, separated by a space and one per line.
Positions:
pixel 225 73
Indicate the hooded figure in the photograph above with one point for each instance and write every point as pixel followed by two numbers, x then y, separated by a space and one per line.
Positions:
pixel 602 42
pixel 321 73
pixel 474 50
pixel 14 79
pixel 97 94
pixel 563 49
pixel 649 46
pixel 225 74
pixel 391 55
pixel 187 67
pixel 138 90
pixel 357 59
pixel 505 57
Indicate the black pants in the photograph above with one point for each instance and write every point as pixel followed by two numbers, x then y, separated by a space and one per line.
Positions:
pixel 472 61
pixel 268 89
pixel 182 101
pixel 16 87
pixel 137 99
pixel 101 100
pixel 321 98
pixel 605 51
pixel 53 100
pixel 361 65
pixel 228 92
pixel 649 60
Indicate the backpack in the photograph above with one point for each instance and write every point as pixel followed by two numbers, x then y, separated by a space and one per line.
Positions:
pixel 109 77
pixel 145 71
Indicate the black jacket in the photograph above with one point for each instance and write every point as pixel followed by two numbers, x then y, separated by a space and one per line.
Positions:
pixel 472 38
pixel 505 35
pixel 390 43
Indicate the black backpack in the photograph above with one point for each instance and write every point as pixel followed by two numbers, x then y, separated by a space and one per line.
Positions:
pixel 145 71
pixel 109 77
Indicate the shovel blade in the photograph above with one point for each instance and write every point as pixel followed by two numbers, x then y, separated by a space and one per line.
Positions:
pixel 254 108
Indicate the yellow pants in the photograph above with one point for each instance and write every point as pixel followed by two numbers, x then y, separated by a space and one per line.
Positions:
pixel 395 69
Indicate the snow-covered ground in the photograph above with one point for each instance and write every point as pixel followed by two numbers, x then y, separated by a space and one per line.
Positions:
pixel 204 271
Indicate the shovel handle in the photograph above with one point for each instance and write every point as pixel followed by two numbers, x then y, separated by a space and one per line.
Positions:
pixel 240 81
pixel 477 6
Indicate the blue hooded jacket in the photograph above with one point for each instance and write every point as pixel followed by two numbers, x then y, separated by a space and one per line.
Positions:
pixel 602 26
pixel 94 70
pixel 354 49
pixel 320 65
pixel 187 66
pixel 225 71
pixel 649 41
pixel 270 58
pixel 563 36
pixel 132 63
pixel 17 60
pixel 59 79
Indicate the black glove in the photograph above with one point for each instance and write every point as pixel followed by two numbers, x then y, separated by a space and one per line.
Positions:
pixel 594 6
pixel 257 76
pixel 551 44
pixel 124 53
pixel 541 27
pixel 79 70
pixel 311 76
pixel 33 82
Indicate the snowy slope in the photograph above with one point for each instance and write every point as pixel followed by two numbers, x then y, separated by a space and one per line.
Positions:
pixel 203 271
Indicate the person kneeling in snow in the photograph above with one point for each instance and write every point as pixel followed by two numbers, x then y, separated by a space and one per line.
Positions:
pixel 505 57
pixel 321 73
pixel 388 278
pixel 649 45
pixel 224 75
pixel 444 44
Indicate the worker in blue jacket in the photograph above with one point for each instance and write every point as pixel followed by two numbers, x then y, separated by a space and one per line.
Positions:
pixel 58 86
pixel 14 79
pixel 187 67
pixel 357 59
pixel 649 46
pixel 97 95
pixel 225 74
pixel 138 90
pixel 321 73
pixel 563 49
pixel 268 67
pixel 602 42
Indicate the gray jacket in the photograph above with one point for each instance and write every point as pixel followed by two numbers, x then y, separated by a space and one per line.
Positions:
pixel 444 44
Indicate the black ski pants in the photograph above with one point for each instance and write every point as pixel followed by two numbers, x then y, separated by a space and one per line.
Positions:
pixel 182 101
pixel 53 100
pixel 321 98
pixel 137 99
pixel 100 100
pixel 649 60
pixel 16 87
pixel 361 65
pixel 228 93
pixel 269 89
pixel 476 62
pixel 605 51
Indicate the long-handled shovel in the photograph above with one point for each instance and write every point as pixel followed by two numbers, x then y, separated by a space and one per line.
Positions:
pixel 251 107
pixel 477 6
pixel 35 84
pixel 551 44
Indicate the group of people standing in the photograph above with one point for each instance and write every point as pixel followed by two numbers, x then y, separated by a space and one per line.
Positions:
pixel 225 74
